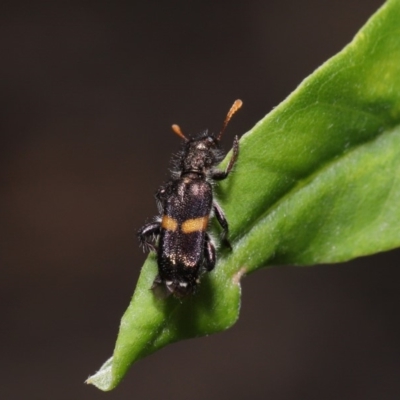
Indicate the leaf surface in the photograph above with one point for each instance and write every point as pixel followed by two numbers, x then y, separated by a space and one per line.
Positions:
pixel 317 181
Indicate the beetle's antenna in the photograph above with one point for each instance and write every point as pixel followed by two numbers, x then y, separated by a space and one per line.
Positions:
pixel 235 106
pixel 178 131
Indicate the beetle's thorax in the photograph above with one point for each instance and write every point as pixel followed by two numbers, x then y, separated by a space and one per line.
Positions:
pixel 200 155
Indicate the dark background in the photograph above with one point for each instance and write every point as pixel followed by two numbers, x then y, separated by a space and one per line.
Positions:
pixel 88 94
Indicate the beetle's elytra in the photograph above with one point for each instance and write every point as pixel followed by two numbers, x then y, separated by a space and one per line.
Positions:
pixel 184 247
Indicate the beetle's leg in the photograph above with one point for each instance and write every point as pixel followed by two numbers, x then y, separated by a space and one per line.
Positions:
pixel 219 214
pixel 157 281
pixel 147 234
pixel 161 195
pixel 209 253
pixel 220 175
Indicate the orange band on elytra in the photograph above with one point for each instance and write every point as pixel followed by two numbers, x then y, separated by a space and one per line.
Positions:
pixel 168 223
pixel 195 225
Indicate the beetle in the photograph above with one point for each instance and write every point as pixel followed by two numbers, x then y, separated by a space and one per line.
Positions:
pixel 184 246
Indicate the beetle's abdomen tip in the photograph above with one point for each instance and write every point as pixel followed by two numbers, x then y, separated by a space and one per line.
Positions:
pixel 178 288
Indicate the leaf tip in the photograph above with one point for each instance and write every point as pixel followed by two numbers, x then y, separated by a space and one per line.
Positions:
pixel 103 378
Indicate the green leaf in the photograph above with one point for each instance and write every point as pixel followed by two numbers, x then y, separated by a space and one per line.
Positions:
pixel 316 182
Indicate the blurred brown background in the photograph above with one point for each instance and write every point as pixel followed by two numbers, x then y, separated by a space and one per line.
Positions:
pixel 88 93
